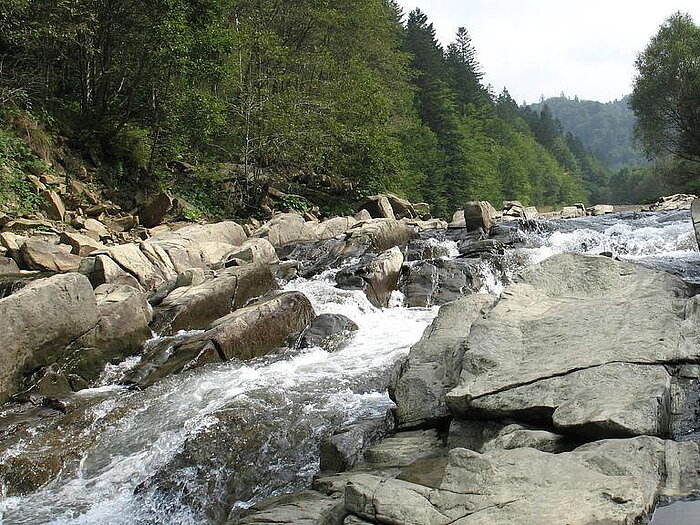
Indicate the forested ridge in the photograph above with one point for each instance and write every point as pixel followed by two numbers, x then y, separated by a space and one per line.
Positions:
pixel 219 99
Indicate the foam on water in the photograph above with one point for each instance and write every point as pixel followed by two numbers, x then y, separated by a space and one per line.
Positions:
pixel 145 430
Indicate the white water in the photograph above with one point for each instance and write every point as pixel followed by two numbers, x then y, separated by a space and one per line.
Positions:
pixel 296 398
pixel 334 389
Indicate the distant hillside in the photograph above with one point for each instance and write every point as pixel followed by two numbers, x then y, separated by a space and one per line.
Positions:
pixel 604 128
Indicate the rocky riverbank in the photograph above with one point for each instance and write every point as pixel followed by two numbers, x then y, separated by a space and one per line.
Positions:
pixel 558 380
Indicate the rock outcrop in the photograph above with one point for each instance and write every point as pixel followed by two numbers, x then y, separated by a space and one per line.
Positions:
pixel 378 278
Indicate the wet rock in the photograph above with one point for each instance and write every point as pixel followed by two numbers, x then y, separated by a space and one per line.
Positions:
pixel 564 320
pixel 378 207
pixel 477 248
pixel 479 215
pixel 439 281
pixel 156 210
pixel 378 278
pixel 197 306
pixel 695 214
pixel 341 451
pixel 301 508
pixel 53 205
pixel 245 333
pixel 254 251
pixel 41 255
pixel 256 329
pixel 39 320
pixel 81 245
pixel 433 365
pixel 328 331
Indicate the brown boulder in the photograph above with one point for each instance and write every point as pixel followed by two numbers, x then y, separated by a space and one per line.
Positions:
pixel 39 254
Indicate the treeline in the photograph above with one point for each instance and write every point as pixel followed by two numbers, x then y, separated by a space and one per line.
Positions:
pixel 348 96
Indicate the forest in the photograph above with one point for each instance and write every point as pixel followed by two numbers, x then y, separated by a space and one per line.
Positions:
pixel 219 99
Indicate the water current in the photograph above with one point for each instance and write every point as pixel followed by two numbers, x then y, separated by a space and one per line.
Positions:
pixel 238 432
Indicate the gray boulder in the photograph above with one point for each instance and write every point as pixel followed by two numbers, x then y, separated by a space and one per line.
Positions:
pixel 38 321
pixel 197 306
pixel 439 281
pixel 614 481
pixel 378 279
pixel 379 207
pixel 328 331
pixel 434 363
pixel 479 215
pixel 535 333
pixel 301 508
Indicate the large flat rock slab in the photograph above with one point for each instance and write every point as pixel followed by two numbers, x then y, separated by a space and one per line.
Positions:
pixel 562 321
pixel 611 481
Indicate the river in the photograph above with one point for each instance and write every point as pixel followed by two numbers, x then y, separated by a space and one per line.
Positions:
pixel 134 470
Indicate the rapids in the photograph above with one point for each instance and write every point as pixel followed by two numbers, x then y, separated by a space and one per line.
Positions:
pixel 293 398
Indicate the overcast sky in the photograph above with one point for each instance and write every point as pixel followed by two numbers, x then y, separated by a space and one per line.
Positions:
pixel 546 47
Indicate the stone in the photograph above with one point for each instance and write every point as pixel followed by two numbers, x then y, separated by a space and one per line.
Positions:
pixel 559 325
pixel 247 332
pixel 341 451
pixel 122 224
pixel 378 235
pixel 438 281
pixel 482 436
pixel 53 205
pixel 571 212
pixel 695 214
pixel 24 225
pixel 612 481
pixel 333 227
pixel 458 220
pixel 628 400
pixel 679 201
pixel 38 321
pixel 123 327
pixel 401 207
pixel 531 213
pixel 101 269
pixel 81 245
pixel 601 209
pixel 8 266
pixel 328 331
pixel 301 508
pixel 423 210
pixel 433 365
pixel 45 256
pixel 479 215
pixel 378 207
pixel 153 213
pixel 254 330
pixel 284 229
pixel 363 215
pixel 254 250
pixel 96 229
pixel 378 278
pixel 404 448
pixel 196 307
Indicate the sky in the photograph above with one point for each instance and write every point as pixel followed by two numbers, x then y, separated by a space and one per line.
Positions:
pixel 548 47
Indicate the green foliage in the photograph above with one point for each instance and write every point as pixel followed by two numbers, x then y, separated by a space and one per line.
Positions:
pixel 667 90
pixel 342 91
pixel 606 129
